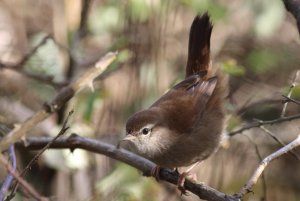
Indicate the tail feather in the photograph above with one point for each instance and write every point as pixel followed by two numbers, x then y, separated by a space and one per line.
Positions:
pixel 199 47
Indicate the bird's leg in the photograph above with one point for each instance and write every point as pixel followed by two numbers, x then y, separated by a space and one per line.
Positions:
pixel 182 177
pixel 155 172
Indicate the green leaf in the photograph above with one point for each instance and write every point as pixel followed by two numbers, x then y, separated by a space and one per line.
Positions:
pixel 139 9
pixel 232 68
pixel 233 122
pixel 261 61
pixel 296 92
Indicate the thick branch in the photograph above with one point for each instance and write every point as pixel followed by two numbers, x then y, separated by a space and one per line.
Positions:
pixel 142 164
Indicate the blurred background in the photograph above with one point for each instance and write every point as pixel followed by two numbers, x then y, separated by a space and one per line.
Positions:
pixel 255 43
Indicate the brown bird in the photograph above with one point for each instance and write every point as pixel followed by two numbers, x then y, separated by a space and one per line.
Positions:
pixel 184 126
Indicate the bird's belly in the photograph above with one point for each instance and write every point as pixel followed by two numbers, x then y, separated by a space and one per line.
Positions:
pixel 184 155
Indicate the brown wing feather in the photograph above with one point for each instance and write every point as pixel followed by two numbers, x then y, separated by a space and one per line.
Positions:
pixel 185 100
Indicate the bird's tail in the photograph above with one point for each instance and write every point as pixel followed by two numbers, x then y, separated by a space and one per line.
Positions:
pixel 199 47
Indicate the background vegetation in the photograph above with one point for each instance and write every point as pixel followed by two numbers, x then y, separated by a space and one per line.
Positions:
pixel 255 42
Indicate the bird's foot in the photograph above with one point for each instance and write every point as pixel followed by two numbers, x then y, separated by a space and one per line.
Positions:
pixel 180 183
pixel 181 180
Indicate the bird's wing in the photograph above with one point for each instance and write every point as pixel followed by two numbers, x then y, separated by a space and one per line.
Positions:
pixel 204 92
pixel 191 86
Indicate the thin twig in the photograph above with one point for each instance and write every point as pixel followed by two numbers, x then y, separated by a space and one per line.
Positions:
pixel 279 141
pixel 291 100
pixel 18 67
pixel 290 93
pixel 26 186
pixel 26 57
pixel 33 51
pixel 64 95
pixel 142 164
pixel 37 156
pixel 252 181
pixel 263 178
pixel 257 124
pixel 61 132
pixel 21 63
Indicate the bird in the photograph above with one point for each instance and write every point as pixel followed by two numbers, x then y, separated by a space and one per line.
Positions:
pixel 184 126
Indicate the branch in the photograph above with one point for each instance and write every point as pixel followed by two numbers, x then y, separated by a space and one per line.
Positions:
pixel 263 177
pixel 293 6
pixel 74 141
pixel 279 141
pixel 82 31
pixel 288 97
pixel 26 186
pixel 252 181
pixel 261 123
pixel 37 156
pixel 18 67
pixel 64 95
pixel 9 178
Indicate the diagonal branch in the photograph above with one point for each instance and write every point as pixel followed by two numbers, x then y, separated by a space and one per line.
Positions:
pixel 37 156
pixel 279 141
pixel 252 181
pixel 64 95
pixel 140 163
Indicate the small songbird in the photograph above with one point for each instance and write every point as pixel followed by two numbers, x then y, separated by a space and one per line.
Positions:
pixel 184 126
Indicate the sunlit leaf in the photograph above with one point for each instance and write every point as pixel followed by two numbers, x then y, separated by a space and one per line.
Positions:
pixel 233 122
pixel 296 92
pixel 232 68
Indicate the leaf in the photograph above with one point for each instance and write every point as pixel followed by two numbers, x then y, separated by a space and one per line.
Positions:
pixel 232 68
pixel 233 122
pixel 261 61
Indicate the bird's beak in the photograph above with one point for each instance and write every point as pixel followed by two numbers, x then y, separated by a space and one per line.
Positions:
pixel 128 137
pixel 126 141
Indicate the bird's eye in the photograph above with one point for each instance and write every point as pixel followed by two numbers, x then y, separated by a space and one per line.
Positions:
pixel 146 131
